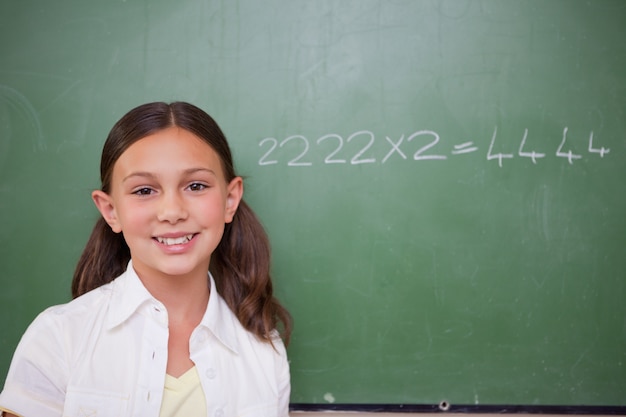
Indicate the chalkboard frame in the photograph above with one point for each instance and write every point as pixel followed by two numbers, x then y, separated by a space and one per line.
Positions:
pixel 444 408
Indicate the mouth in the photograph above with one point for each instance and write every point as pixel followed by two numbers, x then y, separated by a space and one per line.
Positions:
pixel 171 241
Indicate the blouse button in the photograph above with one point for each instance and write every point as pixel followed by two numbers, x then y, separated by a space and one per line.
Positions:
pixel 210 373
pixel 219 412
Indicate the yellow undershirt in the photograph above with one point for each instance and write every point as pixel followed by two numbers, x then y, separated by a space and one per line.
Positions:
pixel 183 396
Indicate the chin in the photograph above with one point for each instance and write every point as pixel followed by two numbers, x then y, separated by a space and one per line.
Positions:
pixel 183 270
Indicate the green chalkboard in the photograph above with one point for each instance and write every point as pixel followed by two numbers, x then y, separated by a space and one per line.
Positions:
pixel 442 181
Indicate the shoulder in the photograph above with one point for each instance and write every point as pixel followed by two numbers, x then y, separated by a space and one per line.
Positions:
pixel 86 305
pixel 68 321
pixel 270 352
pixel 267 356
pixel 44 359
pixel 225 325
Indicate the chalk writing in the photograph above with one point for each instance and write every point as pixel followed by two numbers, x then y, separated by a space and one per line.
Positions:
pixel 430 147
pixel 498 156
pixel 418 156
pixel 569 155
pixel 532 155
pixel 602 151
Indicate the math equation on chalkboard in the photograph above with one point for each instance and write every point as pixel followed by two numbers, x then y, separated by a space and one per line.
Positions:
pixel 422 145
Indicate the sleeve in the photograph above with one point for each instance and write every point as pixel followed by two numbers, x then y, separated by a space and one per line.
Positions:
pixel 283 379
pixel 37 378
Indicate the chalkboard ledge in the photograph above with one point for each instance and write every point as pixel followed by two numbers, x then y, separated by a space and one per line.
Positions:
pixel 444 407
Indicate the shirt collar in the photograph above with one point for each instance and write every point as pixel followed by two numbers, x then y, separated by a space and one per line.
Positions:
pixel 220 320
pixel 128 294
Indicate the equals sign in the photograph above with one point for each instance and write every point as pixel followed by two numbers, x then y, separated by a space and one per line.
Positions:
pixel 466 147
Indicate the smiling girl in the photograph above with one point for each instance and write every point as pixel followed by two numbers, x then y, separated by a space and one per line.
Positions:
pixel 151 332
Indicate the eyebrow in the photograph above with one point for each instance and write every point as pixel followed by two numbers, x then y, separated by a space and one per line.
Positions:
pixel 146 174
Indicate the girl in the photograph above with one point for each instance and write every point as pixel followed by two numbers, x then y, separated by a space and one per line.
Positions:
pixel 151 332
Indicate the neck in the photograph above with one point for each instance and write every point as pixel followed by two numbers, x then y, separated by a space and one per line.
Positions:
pixel 185 296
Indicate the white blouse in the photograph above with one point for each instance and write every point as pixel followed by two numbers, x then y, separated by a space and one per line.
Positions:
pixel 105 354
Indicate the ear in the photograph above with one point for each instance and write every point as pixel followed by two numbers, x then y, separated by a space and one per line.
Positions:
pixel 235 193
pixel 104 203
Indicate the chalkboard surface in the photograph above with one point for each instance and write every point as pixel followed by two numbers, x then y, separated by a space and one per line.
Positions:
pixel 442 181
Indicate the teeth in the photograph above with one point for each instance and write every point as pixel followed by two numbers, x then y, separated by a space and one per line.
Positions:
pixel 174 240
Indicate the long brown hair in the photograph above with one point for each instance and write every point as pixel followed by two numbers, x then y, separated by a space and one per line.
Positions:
pixel 241 262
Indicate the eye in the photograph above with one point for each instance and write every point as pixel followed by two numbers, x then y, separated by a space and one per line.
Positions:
pixel 143 191
pixel 197 186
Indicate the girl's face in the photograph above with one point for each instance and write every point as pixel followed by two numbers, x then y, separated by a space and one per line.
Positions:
pixel 171 201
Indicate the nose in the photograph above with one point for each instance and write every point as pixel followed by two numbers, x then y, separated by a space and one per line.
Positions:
pixel 172 208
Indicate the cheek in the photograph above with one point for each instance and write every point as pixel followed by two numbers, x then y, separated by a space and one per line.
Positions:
pixel 212 212
pixel 132 217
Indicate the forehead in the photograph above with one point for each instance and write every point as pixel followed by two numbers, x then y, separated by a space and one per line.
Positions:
pixel 173 144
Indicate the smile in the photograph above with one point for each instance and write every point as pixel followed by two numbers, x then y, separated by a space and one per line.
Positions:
pixel 169 241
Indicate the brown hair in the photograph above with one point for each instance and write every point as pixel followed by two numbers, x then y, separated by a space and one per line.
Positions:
pixel 241 262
